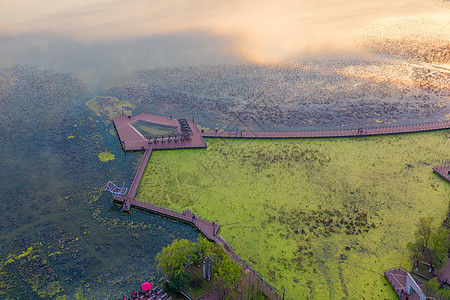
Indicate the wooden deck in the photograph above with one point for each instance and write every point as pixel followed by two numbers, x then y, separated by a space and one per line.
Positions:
pixel 132 140
pixel 397 279
pixel 443 171
pixel 330 133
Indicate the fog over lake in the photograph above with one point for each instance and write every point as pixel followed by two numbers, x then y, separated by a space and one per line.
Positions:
pixel 238 65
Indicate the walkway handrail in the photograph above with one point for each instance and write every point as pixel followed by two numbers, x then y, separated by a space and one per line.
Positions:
pixel 208 293
pixel 441 166
pixel 396 268
pixel 365 131
pixel 207 220
pixel 175 210
pixel 159 206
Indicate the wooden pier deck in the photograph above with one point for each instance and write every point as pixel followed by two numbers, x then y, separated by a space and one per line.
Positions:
pixel 330 133
pixel 132 140
pixel 397 279
pixel 443 171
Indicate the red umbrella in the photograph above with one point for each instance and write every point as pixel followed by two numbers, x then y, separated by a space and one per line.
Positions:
pixel 146 286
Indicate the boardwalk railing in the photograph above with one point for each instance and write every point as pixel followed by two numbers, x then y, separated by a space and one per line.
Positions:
pixel 205 295
pixel 140 172
pixel 323 133
pixel 395 269
pixel 159 206
pixel 204 219
pixel 176 211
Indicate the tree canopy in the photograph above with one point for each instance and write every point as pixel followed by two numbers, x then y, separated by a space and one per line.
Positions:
pixel 228 272
pixel 173 259
pixel 439 245
pixel 435 239
pixel 423 232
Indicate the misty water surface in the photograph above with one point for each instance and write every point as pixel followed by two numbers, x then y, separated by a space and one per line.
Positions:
pixel 232 64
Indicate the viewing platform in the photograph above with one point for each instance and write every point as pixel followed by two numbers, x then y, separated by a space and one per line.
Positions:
pixel 187 136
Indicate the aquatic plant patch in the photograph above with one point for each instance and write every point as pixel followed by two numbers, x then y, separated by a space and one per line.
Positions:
pixel 106 156
pixel 109 107
pixel 321 218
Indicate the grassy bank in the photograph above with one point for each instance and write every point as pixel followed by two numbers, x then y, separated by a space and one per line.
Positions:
pixel 322 218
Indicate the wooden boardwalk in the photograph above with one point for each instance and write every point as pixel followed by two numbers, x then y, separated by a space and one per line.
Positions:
pixel 330 133
pixel 208 228
pixel 137 180
pixel 132 140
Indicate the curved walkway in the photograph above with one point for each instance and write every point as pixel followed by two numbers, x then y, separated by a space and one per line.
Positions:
pixel 208 228
pixel 329 133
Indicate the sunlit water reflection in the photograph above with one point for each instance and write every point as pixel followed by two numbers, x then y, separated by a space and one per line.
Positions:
pixel 230 64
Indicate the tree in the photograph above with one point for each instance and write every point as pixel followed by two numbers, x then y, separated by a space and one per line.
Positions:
pixel 202 248
pixel 422 237
pixel 178 282
pixel 431 286
pixel 228 272
pixel 172 261
pixel 423 233
pixel 439 244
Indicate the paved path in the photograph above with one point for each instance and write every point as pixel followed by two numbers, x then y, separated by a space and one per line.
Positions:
pixel 329 133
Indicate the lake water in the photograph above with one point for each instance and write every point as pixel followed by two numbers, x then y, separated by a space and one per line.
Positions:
pixel 230 64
